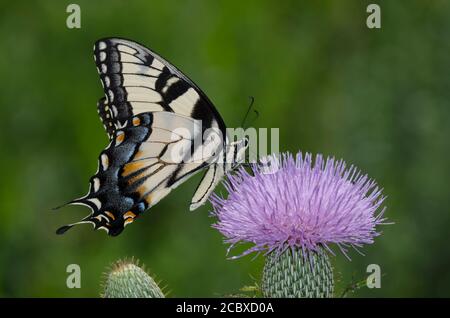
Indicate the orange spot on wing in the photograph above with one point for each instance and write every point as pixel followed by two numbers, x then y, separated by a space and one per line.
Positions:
pixel 111 216
pixel 141 190
pixel 139 154
pixel 143 167
pixel 136 121
pixel 132 167
pixel 120 138
pixel 148 199
pixel 129 214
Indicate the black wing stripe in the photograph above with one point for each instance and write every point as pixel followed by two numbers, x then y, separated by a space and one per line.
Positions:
pixel 106 116
pixel 140 74
pixel 131 186
pixel 210 184
pixel 175 90
pixel 162 79
pixel 117 66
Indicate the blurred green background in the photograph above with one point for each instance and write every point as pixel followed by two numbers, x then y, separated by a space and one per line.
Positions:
pixel 377 98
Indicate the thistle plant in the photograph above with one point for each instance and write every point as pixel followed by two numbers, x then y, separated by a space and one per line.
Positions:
pixel 289 274
pixel 292 211
pixel 126 279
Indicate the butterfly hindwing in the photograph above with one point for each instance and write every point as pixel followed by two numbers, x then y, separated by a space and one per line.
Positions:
pixel 144 161
pixel 210 179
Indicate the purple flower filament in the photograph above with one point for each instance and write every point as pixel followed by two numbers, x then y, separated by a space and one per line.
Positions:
pixel 299 203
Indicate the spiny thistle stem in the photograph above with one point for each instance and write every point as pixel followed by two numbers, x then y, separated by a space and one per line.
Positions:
pixel 127 280
pixel 292 275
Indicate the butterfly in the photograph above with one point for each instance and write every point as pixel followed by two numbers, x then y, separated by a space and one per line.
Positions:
pixel 154 116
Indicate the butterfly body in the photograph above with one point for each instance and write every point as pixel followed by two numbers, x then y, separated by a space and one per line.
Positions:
pixel 162 128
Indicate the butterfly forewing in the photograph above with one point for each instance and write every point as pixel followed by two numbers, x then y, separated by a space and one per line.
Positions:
pixel 137 80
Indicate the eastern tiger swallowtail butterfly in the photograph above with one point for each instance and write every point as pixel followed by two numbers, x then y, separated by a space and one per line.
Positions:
pixel 147 101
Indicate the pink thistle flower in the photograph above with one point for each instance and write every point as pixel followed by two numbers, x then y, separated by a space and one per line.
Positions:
pixel 298 203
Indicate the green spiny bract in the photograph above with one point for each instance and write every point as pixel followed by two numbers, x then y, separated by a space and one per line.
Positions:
pixel 127 280
pixel 291 275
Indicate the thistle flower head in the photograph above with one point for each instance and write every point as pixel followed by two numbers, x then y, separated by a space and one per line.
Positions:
pixel 299 203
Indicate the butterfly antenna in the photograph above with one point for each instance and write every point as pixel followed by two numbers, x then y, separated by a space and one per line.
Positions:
pixel 252 100
pixel 257 115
